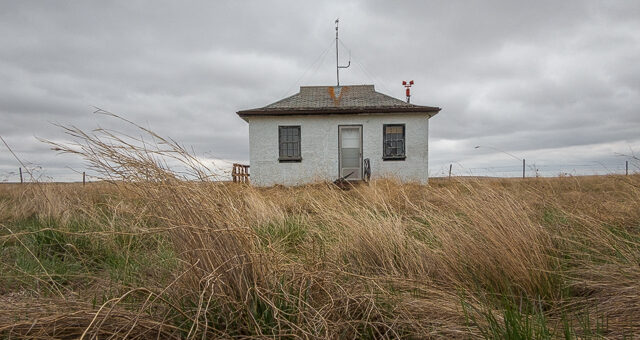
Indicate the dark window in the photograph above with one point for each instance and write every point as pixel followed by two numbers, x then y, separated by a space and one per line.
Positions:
pixel 289 143
pixel 393 142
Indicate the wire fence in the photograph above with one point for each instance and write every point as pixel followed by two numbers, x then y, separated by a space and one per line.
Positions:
pixel 626 167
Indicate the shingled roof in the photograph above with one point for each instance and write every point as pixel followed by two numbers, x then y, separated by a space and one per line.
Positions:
pixel 322 100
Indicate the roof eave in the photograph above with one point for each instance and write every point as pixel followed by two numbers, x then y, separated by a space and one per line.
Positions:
pixel 431 111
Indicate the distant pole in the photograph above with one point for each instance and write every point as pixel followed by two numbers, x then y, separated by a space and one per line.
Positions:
pixel 523 162
pixel 21 181
pixel 450 166
pixel 337 62
pixel 83 178
pixel 626 168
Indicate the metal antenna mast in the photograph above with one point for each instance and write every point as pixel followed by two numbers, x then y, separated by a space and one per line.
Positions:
pixel 338 67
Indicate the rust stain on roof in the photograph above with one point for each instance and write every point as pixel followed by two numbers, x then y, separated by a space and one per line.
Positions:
pixel 336 93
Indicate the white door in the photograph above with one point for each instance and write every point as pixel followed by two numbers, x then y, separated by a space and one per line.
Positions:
pixel 350 152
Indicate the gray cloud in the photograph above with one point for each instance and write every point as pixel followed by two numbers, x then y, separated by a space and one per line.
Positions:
pixel 540 79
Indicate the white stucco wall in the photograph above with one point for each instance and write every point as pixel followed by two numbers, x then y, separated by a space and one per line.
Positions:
pixel 319 148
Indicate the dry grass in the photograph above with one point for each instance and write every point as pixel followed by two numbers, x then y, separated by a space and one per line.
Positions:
pixel 152 254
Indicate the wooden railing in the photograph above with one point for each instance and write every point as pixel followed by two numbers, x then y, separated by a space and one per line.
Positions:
pixel 240 173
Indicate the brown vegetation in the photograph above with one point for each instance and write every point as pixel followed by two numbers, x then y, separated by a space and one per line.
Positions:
pixel 152 254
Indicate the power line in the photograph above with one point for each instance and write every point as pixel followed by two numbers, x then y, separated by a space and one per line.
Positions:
pixel 364 70
pixel 317 61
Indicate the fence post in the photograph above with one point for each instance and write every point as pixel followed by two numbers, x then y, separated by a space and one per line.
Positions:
pixel 523 162
pixel 233 173
pixel 450 166
pixel 21 181
pixel 626 168
pixel 83 178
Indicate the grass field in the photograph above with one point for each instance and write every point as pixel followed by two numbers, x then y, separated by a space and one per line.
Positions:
pixel 520 259
pixel 151 255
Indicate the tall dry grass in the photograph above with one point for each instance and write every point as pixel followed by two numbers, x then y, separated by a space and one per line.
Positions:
pixel 538 258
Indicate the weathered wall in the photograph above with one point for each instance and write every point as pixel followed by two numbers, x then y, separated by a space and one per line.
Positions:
pixel 319 147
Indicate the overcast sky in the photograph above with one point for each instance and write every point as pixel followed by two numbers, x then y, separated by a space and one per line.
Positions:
pixel 555 82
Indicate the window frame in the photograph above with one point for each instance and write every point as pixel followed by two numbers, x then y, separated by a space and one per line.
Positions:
pixel 404 143
pixel 288 159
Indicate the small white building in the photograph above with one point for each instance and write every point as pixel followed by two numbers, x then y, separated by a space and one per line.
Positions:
pixel 324 133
